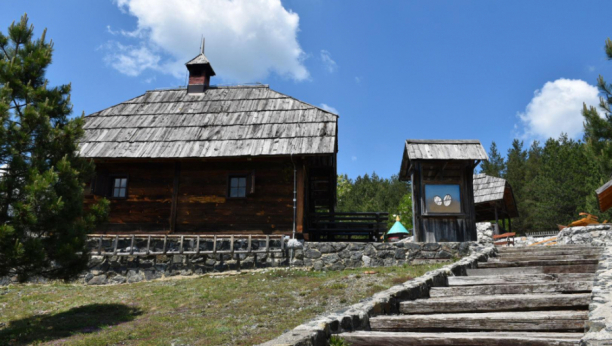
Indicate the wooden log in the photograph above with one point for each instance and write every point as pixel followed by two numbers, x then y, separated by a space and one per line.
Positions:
pixel 517 302
pixel 568 248
pixel 562 287
pixel 367 338
pixel 513 257
pixel 536 263
pixel 552 253
pixel 517 279
pixel 586 268
pixel 491 321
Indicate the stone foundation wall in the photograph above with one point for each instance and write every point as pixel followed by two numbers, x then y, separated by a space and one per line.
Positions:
pixel 313 255
pixel 595 235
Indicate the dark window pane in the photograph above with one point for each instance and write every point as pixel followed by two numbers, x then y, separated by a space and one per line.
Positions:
pixel 241 192
pixel 124 182
pixel 233 182
pixel 121 192
pixel 242 182
pixel 117 182
pixel 233 192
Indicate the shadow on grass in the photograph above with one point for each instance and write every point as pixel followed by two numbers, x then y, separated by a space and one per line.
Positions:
pixel 84 319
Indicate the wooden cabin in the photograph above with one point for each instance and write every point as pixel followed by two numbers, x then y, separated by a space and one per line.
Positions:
pixel 494 200
pixel 604 196
pixel 212 159
pixel 441 172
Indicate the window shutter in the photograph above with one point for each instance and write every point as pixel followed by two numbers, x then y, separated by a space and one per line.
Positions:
pixel 100 184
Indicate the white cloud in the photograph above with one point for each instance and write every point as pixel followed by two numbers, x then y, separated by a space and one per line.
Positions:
pixel 130 60
pixel 329 108
pixel 245 39
pixel 557 108
pixel 329 63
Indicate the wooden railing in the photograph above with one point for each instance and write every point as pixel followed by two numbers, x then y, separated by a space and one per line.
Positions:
pixel 542 233
pixel 155 244
pixel 347 226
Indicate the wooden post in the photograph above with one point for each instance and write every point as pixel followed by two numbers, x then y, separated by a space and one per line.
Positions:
pixel 300 199
pixel 148 244
pixel 181 245
pixel 198 245
pixel 175 193
pixel 232 244
pixel 115 246
pixel 496 221
pixel 249 245
pixel 100 246
pixel 164 247
pixel 132 246
pixel 214 245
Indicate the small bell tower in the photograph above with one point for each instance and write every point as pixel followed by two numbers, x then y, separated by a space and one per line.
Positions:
pixel 200 72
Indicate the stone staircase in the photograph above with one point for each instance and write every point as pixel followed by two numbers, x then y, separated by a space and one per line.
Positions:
pixel 529 296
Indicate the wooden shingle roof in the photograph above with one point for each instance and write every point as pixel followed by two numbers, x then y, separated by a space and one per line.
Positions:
pixel 418 149
pixel 220 122
pixel 490 193
pixel 604 196
pixel 488 188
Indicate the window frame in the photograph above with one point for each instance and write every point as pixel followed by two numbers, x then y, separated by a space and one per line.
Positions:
pixel 113 177
pixel 229 185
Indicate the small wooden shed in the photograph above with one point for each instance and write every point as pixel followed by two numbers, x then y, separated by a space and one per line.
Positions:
pixel 441 172
pixel 604 196
pixel 494 200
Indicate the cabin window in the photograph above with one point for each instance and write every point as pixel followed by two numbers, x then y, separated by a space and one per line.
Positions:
pixel 237 186
pixel 443 199
pixel 119 187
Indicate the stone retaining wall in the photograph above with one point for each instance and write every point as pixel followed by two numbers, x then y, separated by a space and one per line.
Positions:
pixel 599 326
pixel 316 256
pixel 356 317
pixel 595 235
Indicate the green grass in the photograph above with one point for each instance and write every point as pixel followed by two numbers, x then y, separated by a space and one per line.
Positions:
pixel 244 309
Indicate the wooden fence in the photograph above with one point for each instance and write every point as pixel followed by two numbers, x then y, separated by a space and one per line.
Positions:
pixel 542 233
pixel 347 226
pixel 155 244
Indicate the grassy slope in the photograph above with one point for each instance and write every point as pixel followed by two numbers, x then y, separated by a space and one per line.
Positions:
pixel 229 310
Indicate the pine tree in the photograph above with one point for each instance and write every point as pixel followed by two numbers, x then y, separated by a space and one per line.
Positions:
pixel 515 175
pixel 496 166
pixel 43 224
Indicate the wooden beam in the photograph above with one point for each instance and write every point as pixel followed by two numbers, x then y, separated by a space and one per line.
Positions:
pixel 175 193
pixel 300 199
pixel 512 289
pixel 586 268
pixel 366 338
pixel 518 279
pixel 536 263
pixel 488 321
pixel 517 302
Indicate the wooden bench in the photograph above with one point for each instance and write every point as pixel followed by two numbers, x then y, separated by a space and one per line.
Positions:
pixel 508 236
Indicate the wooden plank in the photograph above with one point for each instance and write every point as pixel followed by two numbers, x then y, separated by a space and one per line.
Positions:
pixel 551 253
pixel 536 263
pixel 491 321
pixel 512 258
pixel 518 279
pixel 175 193
pixel 517 302
pixel 546 249
pixel 562 287
pixel 372 338
pixel 587 268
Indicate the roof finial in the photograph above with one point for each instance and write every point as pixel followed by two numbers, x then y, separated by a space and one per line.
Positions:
pixel 202 46
pixel 397 218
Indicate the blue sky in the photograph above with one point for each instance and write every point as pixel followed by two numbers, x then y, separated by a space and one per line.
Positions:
pixel 487 70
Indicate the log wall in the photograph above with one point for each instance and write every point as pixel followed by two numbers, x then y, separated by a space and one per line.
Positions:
pixel 190 196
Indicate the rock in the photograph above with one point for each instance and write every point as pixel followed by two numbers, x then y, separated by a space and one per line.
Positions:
pixel 97 280
pixel 400 254
pixel 431 246
pixel 312 254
